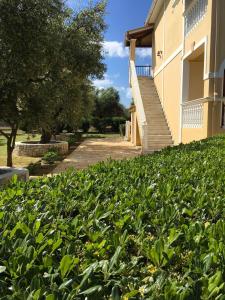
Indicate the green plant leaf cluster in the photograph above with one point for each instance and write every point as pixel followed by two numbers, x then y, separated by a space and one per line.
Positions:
pixel 148 228
pixel 51 156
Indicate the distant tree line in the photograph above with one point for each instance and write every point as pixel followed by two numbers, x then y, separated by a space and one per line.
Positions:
pixel 108 112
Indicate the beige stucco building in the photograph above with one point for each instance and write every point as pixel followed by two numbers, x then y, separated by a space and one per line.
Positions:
pixel 180 98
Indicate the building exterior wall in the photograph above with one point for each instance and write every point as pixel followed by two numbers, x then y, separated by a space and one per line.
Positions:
pixel 167 69
pixel 196 83
pixel 167 33
pixel 178 77
pixel 211 124
pixel 169 41
pixel 196 134
pixel 170 95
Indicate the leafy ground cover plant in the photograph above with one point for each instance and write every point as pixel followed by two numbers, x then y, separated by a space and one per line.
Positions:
pixel 51 156
pixel 74 139
pixel 148 228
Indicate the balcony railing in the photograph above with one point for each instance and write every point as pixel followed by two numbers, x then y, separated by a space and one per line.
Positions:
pixel 194 13
pixel 136 93
pixel 193 112
pixel 144 71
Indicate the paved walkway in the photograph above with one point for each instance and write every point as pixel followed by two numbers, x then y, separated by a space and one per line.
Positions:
pixel 92 151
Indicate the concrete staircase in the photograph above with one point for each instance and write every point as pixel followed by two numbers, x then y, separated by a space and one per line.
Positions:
pixel 158 132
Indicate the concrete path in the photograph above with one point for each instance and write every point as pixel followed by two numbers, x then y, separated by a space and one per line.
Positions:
pixel 92 151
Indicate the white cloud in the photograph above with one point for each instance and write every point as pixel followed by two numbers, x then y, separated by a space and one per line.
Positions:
pixel 108 81
pixel 103 83
pixel 144 52
pixel 117 49
pixel 125 91
pixel 128 93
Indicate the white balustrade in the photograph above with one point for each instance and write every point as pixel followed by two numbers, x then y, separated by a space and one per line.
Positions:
pixel 193 114
pixel 194 13
pixel 136 93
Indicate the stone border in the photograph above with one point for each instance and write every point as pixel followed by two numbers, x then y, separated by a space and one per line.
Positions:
pixel 21 173
pixel 36 149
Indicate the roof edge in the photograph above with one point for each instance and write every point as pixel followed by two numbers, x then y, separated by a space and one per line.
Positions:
pixel 138 33
pixel 152 14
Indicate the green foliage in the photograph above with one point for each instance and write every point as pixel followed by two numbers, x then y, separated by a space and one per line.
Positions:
pixel 49 54
pixel 85 126
pixel 51 156
pixel 116 122
pixel 73 139
pixel 108 112
pixel 148 228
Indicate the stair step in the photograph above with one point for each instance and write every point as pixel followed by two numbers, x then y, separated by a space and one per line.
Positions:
pixel 158 126
pixel 158 133
pixel 153 115
pixel 159 144
pixel 159 138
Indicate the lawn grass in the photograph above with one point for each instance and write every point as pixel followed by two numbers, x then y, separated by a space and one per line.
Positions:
pixel 97 135
pixel 18 161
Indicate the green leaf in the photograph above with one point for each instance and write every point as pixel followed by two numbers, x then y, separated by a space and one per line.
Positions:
pixel 50 297
pixel 115 293
pixel 92 290
pixel 214 282
pixel 115 257
pixel 39 238
pixel 37 225
pixel 65 265
pixel 88 272
pixel 131 294
pixel 56 245
pixel 2 269
pixel 1 214
pixel 65 284
pixel 19 226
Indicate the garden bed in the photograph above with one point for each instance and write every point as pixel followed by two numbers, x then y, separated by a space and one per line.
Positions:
pixel 36 149
pixel 148 228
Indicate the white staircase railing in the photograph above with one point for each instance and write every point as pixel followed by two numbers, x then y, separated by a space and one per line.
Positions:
pixel 136 93
pixel 193 113
pixel 194 13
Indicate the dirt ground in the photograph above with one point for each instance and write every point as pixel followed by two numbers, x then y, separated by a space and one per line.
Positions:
pixel 92 151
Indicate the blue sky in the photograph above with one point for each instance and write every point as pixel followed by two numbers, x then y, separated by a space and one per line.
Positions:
pixel 122 15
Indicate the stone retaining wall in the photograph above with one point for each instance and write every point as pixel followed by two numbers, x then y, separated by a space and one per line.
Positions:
pixel 35 149
pixel 6 174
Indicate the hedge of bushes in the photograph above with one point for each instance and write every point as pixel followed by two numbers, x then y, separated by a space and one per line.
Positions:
pixel 148 228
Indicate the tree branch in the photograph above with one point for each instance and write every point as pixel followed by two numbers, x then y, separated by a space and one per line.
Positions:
pixel 4 134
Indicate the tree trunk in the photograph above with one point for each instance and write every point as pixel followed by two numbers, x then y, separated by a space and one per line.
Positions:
pixel 11 140
pixel 45 136
pixel 9 156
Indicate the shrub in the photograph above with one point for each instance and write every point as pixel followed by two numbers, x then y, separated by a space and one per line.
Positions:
pixel 116 122
pixel 51 156
pixel 85 125
pixel 101 124
pixel 148 228
pixel 73 139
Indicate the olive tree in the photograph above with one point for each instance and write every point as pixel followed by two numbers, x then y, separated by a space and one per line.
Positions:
pixel 49 54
